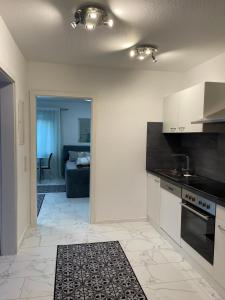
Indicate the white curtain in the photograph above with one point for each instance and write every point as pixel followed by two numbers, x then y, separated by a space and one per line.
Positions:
pixel 49 139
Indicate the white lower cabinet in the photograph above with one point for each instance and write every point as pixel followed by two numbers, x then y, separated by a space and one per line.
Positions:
pixel 219 252
pixel 164 211
pixel 153 196
pixel 170 215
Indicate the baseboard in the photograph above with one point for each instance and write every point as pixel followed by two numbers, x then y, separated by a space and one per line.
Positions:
pixel 20 240
pixel 121 221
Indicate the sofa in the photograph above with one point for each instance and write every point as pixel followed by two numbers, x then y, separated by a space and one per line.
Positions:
pixel 77 179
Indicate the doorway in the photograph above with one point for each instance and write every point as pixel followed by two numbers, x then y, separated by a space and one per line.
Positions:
pixel 64 159
pixel 8 205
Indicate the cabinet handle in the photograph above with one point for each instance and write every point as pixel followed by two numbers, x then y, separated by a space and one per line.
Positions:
pixel 173 129
pixel 204 217
pixel 221 228
pixel 156 180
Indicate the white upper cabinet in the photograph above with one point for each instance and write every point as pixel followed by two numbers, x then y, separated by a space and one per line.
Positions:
pixel 170 123
pixel 191 107
pixel 187 106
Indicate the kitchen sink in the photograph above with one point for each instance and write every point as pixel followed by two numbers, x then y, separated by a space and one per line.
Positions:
pixel 175 174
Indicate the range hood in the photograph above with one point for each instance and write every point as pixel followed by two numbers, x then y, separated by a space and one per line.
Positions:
pixel 214 104
pixel 218 117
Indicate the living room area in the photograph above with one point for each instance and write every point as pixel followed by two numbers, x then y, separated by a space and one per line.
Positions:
pixel 63 146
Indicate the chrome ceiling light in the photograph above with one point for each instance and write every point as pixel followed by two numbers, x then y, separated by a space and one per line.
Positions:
pixel 91 17
pixel 144 51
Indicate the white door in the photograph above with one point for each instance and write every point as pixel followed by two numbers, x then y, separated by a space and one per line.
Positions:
pixel 154 200
pixel 170 215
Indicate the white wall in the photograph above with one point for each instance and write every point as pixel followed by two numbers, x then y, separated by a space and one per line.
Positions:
pixel 211 70
pixel 69 118
pixel 13 63
pixel 125 101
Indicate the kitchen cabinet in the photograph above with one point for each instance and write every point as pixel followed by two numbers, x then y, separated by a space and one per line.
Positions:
pixel 183 107
pixel 170 113
pixel 170 212
pixel 191 109
pixel 153 196
pixel 219 250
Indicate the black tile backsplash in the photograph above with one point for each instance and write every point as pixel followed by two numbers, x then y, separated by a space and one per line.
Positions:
pixel 206 151
pixel 160 148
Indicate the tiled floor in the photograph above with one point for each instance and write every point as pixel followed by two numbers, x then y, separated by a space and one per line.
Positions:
pixel 53 181
pixel 161 270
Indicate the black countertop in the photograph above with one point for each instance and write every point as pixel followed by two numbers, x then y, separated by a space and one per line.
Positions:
pixel 202 186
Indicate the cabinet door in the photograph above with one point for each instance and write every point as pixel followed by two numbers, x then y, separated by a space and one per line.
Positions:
pixel 170 114
pixel 191 102
pixel 170 215
pixel 219 252
pixel 154 199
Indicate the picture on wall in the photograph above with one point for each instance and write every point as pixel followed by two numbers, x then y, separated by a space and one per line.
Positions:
pixel 84 130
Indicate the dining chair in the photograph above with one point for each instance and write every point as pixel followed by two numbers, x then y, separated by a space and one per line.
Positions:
pixel 45 167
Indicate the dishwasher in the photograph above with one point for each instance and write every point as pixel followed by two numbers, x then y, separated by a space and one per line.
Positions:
pixel 170 213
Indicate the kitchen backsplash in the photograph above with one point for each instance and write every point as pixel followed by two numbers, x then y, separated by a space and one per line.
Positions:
pixel 206 151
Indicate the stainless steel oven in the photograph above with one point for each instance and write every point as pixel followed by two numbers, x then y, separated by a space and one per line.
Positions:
pixel 198 224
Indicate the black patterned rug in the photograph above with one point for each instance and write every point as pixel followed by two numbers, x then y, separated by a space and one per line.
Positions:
pixel 98 271
pixel 40 199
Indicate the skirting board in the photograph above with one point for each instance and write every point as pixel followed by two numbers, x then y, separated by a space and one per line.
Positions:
pixel 20 240
pixel 121 221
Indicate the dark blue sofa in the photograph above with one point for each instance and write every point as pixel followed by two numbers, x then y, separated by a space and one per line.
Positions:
pixel 77 179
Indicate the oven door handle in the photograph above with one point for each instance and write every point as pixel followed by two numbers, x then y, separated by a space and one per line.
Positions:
pixel 204 217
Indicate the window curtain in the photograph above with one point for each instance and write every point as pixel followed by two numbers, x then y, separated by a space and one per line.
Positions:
pixel 49 140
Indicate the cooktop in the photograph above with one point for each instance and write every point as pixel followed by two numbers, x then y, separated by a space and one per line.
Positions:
pixel 200 184
pixel 206 185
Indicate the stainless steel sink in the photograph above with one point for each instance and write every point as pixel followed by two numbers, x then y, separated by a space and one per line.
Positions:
pixel 174 174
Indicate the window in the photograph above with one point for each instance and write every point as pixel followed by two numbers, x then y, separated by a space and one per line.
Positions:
pixel 85 130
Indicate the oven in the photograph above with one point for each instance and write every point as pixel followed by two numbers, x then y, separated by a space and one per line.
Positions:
pixel 198 224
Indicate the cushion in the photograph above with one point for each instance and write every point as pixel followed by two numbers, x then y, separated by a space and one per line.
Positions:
pixel 73 155
pixel 83 154
pixel 83 161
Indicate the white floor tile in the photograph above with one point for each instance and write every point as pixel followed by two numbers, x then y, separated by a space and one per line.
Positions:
pixel 182 290
pixel 32 268
pixel 163 273
pixel 38 286
pixel 11 288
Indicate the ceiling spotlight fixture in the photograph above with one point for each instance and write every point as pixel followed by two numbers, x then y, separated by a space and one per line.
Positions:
pixel 91 17
pixel 143 52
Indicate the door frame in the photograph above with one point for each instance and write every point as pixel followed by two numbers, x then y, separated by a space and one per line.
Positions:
pixel 33 165
pixel 8 236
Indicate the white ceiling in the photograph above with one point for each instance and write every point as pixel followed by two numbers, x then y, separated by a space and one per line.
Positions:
pixel 187 32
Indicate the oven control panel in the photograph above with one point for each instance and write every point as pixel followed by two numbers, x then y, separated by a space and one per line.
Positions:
pixel 199 201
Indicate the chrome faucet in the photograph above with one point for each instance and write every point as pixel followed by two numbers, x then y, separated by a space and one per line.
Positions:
pixel 187 170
